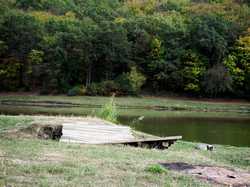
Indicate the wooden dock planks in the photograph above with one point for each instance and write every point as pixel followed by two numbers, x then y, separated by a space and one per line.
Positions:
pixel 97 132
pixel 159 143
pixel 92 133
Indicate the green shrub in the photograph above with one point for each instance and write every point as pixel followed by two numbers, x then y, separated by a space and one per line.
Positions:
pixel 124 84
pixel 131 83
pixel 105 88
pixel 156 169
pixel 108 111
pixel 191 87
pixel 173 5
pixel 95 89
pixel 109 87
pixel 217 81
pixel 77 90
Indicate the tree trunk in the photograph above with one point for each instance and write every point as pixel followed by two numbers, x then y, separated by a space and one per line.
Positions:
pixel 89 75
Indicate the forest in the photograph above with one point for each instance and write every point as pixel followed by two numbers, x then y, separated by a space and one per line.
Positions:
pixel 199 48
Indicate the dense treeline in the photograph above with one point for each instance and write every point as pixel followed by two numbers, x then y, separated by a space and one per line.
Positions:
pixel 97 47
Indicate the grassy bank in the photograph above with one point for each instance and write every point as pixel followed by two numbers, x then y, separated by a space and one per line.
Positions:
pixel 129 106
pixel 47 163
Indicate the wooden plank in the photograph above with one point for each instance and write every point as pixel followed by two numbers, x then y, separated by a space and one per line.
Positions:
pixel 159 143
pixel 101 133
pixel 95 133
pixel 166 139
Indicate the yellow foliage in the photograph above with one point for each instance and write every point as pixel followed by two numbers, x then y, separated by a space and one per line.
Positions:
pixel 230 10
pixel 201 8
pixel 142 6
pixel 120 20
pixel 46 16
pixel 70 15
pixel 156 48
pixel 244 42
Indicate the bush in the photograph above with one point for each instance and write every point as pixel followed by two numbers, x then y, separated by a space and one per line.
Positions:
pixel 156 169
pixel 173 5
pixel 131 83
pixel 109 87
pixel 105 88
pixel 217 80
pixel 94 89
pixel 192 88
pixel 124 84
pixel 108 111
pixel 77 90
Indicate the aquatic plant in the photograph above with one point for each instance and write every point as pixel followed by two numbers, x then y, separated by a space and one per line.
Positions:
pixel 109 111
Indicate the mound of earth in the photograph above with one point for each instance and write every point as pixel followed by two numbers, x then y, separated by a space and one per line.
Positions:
pixel 42 131
pixel 215 174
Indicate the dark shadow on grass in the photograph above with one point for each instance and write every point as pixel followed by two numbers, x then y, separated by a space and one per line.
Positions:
pixel 177 166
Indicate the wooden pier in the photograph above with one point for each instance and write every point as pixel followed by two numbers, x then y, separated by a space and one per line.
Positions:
pixel 99 132
pixel 158 143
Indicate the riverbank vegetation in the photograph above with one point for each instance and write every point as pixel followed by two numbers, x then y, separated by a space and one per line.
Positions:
pixel 93 47
pixel 50 163
pixel 109 111
pixel 125 106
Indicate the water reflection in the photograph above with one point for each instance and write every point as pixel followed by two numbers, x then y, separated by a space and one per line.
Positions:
pixel 227 131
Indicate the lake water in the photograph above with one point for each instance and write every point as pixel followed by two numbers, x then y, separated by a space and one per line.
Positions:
pixel 227 131
pixel 215 127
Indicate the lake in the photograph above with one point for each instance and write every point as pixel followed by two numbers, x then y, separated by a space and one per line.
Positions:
pixel 227 131
pixel 213 123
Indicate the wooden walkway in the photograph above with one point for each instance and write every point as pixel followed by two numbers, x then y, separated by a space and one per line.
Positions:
pixel 92 133
pixel 159 143
pixel 98 132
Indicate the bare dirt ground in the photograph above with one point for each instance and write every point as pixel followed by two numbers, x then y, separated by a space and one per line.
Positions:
pixel 27 162
pixel 214 174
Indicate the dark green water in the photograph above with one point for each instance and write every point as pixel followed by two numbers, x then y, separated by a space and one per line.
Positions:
pixel 227 131
pixel 231 128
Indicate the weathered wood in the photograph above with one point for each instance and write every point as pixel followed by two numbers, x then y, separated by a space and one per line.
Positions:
pixel 101 133
pixel 159 143
pixel 165 139
pixel 95 133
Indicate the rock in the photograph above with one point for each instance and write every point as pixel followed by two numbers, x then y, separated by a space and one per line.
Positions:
pixel 205 147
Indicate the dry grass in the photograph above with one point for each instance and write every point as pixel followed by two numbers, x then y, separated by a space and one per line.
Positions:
pixel 126 106
pixel 26 162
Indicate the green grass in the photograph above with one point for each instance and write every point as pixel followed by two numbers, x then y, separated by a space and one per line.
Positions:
pixel 108 111
pixel 129 106
pixel 9 122
pixel 26 162
pixel 156 168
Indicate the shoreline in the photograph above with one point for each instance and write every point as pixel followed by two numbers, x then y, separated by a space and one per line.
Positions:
pixel 146 96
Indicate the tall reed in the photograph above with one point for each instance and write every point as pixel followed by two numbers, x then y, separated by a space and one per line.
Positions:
pixel 109 111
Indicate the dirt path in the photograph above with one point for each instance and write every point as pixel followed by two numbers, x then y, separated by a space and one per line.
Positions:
pixel 214 174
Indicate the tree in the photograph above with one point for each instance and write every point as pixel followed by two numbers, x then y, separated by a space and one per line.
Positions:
pixel 131 82
pixel 22 33
pixel 193 70
pixel 217 81
pixel 209 37
pixel 3 47
pixel 238 64
pixel 112 50
pixel 56 45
